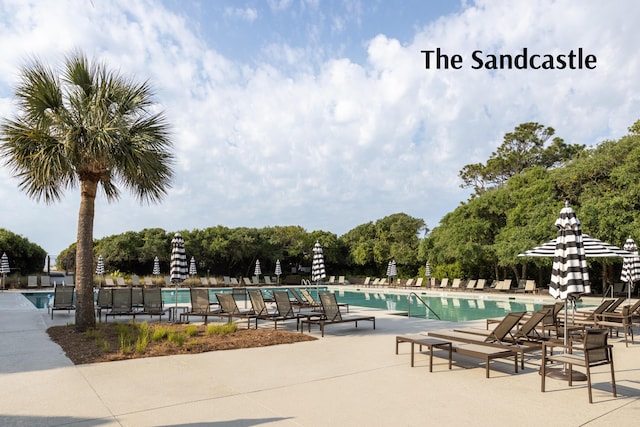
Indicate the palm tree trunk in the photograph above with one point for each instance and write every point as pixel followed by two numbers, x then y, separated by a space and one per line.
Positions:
pixel 85 317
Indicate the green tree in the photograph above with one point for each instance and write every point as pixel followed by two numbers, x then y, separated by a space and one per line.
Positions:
pixel 521 149
pixel 89 127
pixel 25 257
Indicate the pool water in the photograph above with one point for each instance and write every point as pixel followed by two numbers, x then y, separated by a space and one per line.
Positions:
pixel 449 308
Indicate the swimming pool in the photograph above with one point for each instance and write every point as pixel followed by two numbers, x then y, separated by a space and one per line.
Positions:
pixel 449 308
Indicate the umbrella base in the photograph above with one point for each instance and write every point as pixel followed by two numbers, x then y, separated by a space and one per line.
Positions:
pixel 563 374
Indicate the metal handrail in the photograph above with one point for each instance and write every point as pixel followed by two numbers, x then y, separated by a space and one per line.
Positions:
pixel 423 303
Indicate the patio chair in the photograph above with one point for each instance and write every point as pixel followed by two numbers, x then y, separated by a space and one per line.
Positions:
pixel 593 351
pixel 267 280
pixel 342 280
pixel 471 285
pixel 204 281
pixel 480 285
pixel 213 281
pixel 62 299
pixel 618 321
pixel 444 283
pixel 229 309
pixel 32 281
pixel 108 281
pixel 120 281
pixel 300 300
pixel 456 284
pixel 122 305
pixel 367 282
pixel 152 304
pixel 260 309
pixel 148 282
pixel 418 283
pixel 588 317
pixel 200 305
pixel 104 301
pixel 45 280
pixel 331 315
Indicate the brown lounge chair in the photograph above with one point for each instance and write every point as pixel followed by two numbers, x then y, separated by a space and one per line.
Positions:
pixel 618 321
pixel 499 337
pixel 526 332
pixel 200 305
pixel 229 309
pixel 152 304
pixel 331 315
pixel 593 351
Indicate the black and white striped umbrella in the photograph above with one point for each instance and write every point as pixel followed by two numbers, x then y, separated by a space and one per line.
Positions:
pixel 178 271
pixel 392 269
pixel 593 248
pixel 100 266
pixel 630 265
pixel 569 275
pixel 156 267
pixel 257 271
pixel 427 271
pixel 278 271
pixel 4 268
pixel 192 267
pixel 317 267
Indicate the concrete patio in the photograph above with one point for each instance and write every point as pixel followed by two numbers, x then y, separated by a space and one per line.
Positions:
pixel 351 377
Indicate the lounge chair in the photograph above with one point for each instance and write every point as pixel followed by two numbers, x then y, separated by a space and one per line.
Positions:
pixel 586 318
pixel 409 283
pixel 497 337
pixel 62 299
pixel 374 283
pixel 148 282
pixel 152 304
pixel 471 284
pixel 299 300
pixel 593 351
pixel 527 331
pixel 456 284
pixel 45 280
pixel 285 310
pixel 122 305
pixel 213 281
pixel 137 298
pixel 331 315
pixel 120 281
pixel 316 304
pixel 32 281
pixel 418 283
pixel 267 280
pixel 200 305
pixel 367 282
pixel 108 281
pixel 444 283
pixel 480 285
pixel 529 286
pixel 104 301
pixel 617 321
pixel 135 280
pixel 260 309
pixel 204 281
pixel 342 280
pixel 229 309
pixel 331 280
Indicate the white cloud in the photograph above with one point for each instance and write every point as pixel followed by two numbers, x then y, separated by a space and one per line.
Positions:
pixel 328 143
pixel 248 14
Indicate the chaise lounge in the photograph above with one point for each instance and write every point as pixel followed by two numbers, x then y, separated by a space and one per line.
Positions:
pixel 331 315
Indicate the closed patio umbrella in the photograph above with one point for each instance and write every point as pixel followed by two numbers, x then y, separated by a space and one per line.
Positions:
pixel 392 270
pixel 192 267
pixel 278 271
pixel 257 271
pixel 4 268
pixel 630 266
pixel 156 267
pixel 178 271
pixel 100 269
pixel 569 275
pixel 317 267
pixel 427 270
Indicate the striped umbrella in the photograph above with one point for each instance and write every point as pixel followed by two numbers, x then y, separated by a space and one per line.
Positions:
pixel 257 271
pixel 392 270
pixel 4 268
pixel 630 266
pixel 427 271
pixel 278 270
pixel 178 271
pixel 100 268
pixel 569 275
pixel 192 267
pixel 156 267
pixel 593 248
pixel 317 267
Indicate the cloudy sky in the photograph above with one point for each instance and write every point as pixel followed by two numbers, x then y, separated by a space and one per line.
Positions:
pixel 323 113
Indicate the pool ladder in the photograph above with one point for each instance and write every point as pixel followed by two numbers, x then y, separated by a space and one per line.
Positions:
pixel 423 303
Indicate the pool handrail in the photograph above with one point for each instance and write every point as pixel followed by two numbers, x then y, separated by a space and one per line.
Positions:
pixel 423 303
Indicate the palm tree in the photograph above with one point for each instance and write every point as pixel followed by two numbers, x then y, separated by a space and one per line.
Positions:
pixel 89 127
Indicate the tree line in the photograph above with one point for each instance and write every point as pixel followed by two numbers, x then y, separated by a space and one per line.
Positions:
pixel 518 194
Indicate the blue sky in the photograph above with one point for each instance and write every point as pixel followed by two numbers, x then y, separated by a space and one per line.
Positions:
pixel 321 113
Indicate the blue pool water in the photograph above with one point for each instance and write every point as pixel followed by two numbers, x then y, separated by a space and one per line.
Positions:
pixel 450 308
